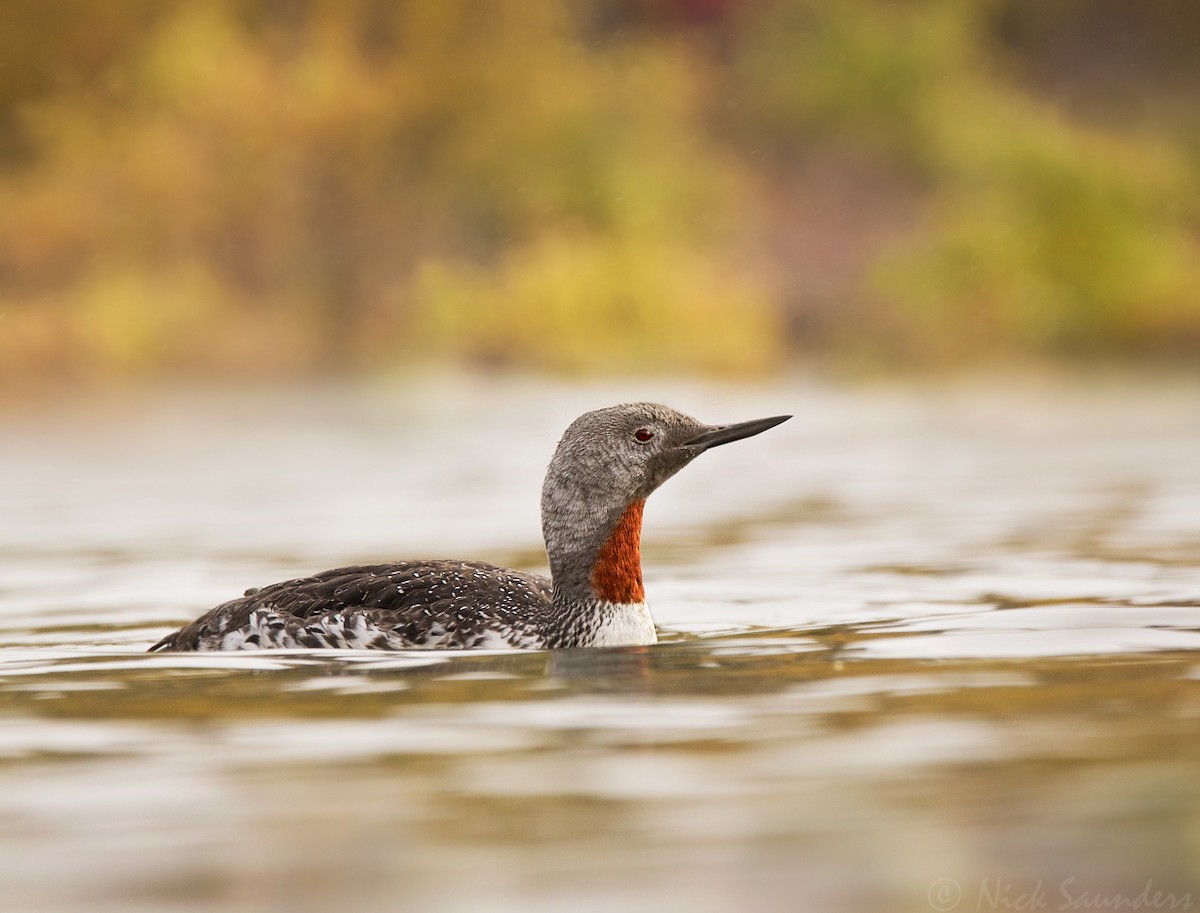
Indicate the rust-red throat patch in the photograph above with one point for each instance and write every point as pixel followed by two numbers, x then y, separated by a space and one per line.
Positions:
pixel 617 575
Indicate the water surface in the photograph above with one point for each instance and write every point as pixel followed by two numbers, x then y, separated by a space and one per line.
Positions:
pixel 921 650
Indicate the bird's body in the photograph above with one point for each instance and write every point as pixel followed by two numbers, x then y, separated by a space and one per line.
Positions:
pixel 410 605
pixel 606 465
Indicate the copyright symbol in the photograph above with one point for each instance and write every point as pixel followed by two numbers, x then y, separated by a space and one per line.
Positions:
pixel 944 894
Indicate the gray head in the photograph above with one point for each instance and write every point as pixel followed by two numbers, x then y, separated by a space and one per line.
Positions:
pixel 610 459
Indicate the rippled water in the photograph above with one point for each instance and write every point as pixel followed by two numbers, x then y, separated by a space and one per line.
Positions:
pixel 921 650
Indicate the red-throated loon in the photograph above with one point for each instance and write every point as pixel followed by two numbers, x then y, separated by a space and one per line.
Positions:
pixel 606 465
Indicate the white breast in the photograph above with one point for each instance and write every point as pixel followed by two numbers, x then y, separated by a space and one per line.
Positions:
pixel 625 625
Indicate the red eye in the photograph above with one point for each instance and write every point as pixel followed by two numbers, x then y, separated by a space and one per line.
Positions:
pixel 644 435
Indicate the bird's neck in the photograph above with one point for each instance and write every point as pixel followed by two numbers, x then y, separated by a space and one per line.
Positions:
pixel 596 570
pixel 600 565
pixel 617 570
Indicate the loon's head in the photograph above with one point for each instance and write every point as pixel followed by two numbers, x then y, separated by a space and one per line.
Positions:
pixel 606 465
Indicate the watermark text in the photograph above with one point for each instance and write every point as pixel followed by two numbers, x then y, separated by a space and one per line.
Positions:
pixel 1001 894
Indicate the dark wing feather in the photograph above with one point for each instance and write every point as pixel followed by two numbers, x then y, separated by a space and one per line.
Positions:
pixel 384 606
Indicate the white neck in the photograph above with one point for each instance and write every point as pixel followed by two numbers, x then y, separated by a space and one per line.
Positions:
pixel 624 625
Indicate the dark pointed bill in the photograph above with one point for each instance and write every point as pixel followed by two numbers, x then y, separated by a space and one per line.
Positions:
pixel 717 435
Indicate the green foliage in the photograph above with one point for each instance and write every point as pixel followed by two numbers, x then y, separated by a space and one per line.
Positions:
pixel 1038 235
pixel 243 186
pixel 238 178
pixel 1067 246
pixel 863 71
pixel 572 302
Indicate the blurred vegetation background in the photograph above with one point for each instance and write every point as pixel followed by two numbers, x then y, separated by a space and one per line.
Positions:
pixel 264 187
